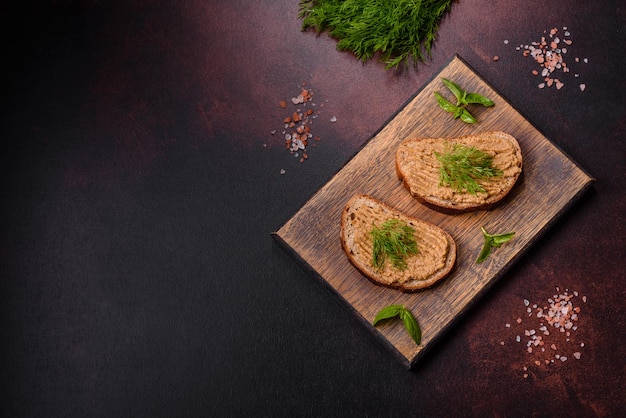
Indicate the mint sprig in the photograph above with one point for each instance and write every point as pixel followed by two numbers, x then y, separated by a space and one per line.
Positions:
pixel 463 98
pixel 492 241
pixel 410 323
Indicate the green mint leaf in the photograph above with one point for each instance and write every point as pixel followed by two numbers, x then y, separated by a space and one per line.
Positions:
pixel 500 239
pixel 492 241
pixel 478 99
pixel 445 104
pixel 467 116
pixel 486 250
pixel 409 321
pixel 458 92
pixel 411 325
pixel 388 312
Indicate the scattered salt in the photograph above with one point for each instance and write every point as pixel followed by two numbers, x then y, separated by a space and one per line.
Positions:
pixel 297 126
pixel 559 313
pixel 549 53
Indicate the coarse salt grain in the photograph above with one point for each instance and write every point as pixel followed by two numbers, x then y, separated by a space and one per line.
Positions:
pixel 297 126
pixel 559 313
pixel 549 53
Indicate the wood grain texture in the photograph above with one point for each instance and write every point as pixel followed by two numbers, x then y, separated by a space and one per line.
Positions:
pixel 550 183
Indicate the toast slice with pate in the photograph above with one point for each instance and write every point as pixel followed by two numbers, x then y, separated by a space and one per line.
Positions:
pixel 454 175
pixel 365 219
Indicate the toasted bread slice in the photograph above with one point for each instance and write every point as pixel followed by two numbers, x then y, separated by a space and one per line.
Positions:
pixel 436 250
pixel 418 168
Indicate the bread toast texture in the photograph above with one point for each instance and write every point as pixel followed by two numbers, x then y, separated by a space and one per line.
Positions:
pixel 436 254
pixel 418 168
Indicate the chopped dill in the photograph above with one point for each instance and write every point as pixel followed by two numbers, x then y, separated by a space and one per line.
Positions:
pixel 398 30
pixel 394 239
pixel 462 165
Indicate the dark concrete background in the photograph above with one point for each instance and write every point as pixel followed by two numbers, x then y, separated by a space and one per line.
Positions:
pixel 140 184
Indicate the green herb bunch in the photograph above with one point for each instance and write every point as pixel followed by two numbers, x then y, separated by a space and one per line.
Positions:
pixel 398 30
pixel 394 239
pixel 461 165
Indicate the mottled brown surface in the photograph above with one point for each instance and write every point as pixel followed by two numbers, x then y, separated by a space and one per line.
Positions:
pixel 141 182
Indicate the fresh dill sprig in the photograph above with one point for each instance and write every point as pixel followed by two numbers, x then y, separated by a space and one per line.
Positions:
pixel 398 30
pixel 394 239
pixel 462 165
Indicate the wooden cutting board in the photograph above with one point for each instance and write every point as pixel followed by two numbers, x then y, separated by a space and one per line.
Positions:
pixel 550 183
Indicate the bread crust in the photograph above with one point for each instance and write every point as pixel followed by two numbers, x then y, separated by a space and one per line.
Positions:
pixel 359 253
pixel 413 164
